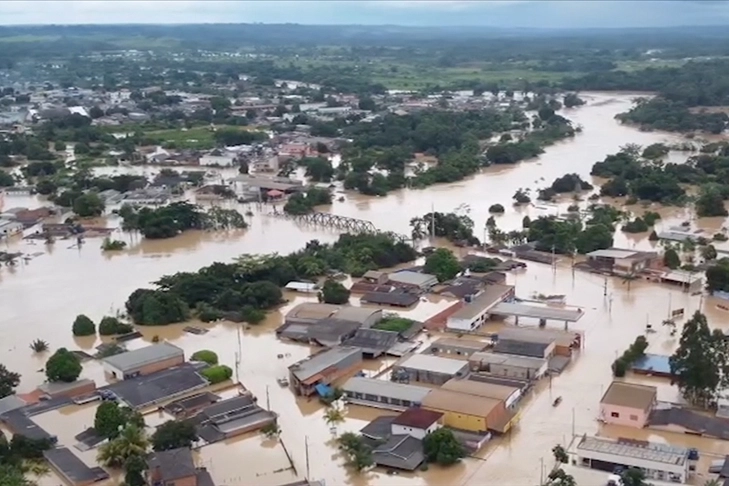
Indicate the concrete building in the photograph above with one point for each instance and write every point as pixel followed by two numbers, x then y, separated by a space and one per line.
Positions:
pixel 143 361
pixel 659 462
pixel 627 404
pixel 385 394
pixel 70 390
pixel 620 261
pixel 476 311
pixel 72 469
pixel 413 280
pixel 564 341
pixel 509 365
pixel 508 394
pixel 457 347
pixel 323 368
pixel 217 160
pixel 309 313
pixel 428 369
pixel 366 317
pixel 417 422
pixel 468 412
pixel 233 417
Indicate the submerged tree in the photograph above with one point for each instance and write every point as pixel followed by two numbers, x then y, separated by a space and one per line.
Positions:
pixel 8 381
pixel 700 365
pixel 39 346
pixel 132 441
pixel 442 447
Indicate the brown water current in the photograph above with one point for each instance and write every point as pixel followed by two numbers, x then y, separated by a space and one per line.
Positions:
pixel 40 298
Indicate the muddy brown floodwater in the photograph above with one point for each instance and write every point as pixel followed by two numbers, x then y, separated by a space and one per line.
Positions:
pixel 40 298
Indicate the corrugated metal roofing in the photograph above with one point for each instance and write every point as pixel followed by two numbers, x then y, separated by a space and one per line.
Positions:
pixel 143 356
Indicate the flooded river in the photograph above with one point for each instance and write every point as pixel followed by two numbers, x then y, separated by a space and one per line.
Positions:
pixel 40 298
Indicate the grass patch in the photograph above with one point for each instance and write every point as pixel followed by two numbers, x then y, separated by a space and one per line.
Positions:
pixel 395 324
pixel 200 138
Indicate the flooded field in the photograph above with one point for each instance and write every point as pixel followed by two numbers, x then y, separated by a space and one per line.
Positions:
pixel 40 299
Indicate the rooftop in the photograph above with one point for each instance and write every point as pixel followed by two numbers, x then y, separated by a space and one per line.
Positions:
pixel 373 341
pixel 312 310
pixel 521 348
pixel 72 468
pixel 164 385
pixel 140 357
pixel 173 464
pixel 19 423
pixel 315 364
pixel 647 451
pixel 491 296
pixel 508 360
pixel 537 312
pixel 356 314
pixel 536 335
pixel 468 344
pixel 433 364
pixel 386 388
pixel 418 418
pixel 653 363
pixel 60 388
pixel 399 452
pixel 630 395
pixel 463 403
pixel 616 253
pixel 401 299
pixel 480 389
pixel 409 277
pixel 331 329
pixel 10 403
pixel 220 411
pixel 378 429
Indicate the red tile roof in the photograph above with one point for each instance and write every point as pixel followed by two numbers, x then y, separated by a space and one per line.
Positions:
pixel 418 418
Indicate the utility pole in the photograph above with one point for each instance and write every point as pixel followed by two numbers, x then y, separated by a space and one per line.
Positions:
pixel 554 263
pixel 268 400
pixel 306 450
pixel 573 422
pixel 604 287
pixel 541 471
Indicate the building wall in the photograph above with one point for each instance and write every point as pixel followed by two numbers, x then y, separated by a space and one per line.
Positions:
pixel 220 160
pixel 427 376
pixel 626 416
pixel 517 372
pixel 470 423
pixel 680 470
pixel 344 367
pixel 146 369
pixel 418 433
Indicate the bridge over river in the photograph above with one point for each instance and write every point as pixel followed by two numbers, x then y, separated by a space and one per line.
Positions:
pixel 334 221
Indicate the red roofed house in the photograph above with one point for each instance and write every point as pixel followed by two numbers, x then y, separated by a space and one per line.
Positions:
pixel 417 422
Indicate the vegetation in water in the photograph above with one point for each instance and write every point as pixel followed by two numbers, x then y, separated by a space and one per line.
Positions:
pixel 63 366
pixel 357 452
pixel 443 264
pixel 217 373
pixel 634 352
pixel 110 326
pixel 442 447
pixel 9 380
pixel 171 220
pixel 39 346
pixel 452 226
pixel 113 245
pixel 333 292
pixel 304 203
pixel 206 356
pixel 174 434
pixel 83 326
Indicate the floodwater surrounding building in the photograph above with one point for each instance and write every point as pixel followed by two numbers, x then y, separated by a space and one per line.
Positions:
pixel 86 280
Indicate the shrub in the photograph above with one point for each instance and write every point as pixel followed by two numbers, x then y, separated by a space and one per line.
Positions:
pixel 205 355
pixel 63 366
pixel 83 326
pixel 496 208
pixel 217 374
pixel 111 325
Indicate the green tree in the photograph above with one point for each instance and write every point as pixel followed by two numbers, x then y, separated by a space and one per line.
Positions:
pixel 217 374
pixel 443 264
pixel 109 419
pixel 173 435
pixel 318 169
pixel 83 326
pixel 333 292
pixel 442 447
pixel 109 326
pixel 8 381
pixel 671 258
pixel 63 366
pixel 132 441
pixel 710 201
pixel 88 205
pixel 134 468
pixel 6 179
pixel 633 477
pixel 709 252
pixel 698 366
pixel 560 478
pixel 206 356
pixel 560 455
pixel 59 146
pixel 496 208
pixel 39 346
pixel 272 430
pixel 717 276
pixel 359 454
pixel 46 187
pixel 333 416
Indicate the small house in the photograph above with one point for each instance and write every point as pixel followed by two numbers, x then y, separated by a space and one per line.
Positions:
pixel 509 365
pixel 413 280
pixel 476 311
pixel 175 467
pixel 143 361
pixel 620 261
pixel 428 369
pixel 627 404
pixel 417 422
pixel 323 368
pixel 374 277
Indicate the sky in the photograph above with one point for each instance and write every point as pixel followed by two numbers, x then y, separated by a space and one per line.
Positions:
pixel 493 13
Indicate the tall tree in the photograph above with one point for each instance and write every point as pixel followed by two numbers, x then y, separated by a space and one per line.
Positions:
pixel 8 381
pixel 173 435
pixel 131 442
pixel 701 362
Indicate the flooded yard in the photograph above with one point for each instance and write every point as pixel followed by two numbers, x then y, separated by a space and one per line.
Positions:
pixel 40 299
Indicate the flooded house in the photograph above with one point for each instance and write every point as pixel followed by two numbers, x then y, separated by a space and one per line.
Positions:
pixel 476 311
pixel 509 365
pixel 564 341
pixel 392 298
pixel 627 404
pixel 468 412
pixel 230 418
pixel 457 347
pixel 176 467
pixel 72 469
pixel 510 395
pixel 143 361
pixel 69 390
pixel 417 422
pixel 323 368
pixel 412 280
pixel 371 392
pixel 660 462
pixel 622 262
pixel 309 313
pixel 427 368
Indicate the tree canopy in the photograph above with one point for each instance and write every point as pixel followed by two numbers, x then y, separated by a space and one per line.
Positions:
pixel 174 434
pixel 443 264
pixel 442 447
pixel 9 380
pixel 83 326
pixel 333 292
pixel 63 366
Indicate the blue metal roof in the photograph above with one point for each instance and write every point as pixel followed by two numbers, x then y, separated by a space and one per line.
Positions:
pixel 654 363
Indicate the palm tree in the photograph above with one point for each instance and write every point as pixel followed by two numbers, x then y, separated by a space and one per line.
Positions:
pixel 713 482
pixel 560 478
pixel 39 346
pixel 132 441
pixel 629 277
pixel 333 416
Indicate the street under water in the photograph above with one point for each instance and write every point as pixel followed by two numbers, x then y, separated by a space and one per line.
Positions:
pixel 41 297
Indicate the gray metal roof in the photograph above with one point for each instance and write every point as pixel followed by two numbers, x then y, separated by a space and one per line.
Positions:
pixel 400 452
pixel 509 360
pixel 72 468
pixel 164 385
pixel 485 301
pixel 303 370
pixel 412 278
pixel 373 341
pixel 140 357
pixel 537 312
pixel 19 423
pixel 616 253
pixel 11 402
pixel 521 348
pixel 385 388
pixel 173 464
pixel 433 364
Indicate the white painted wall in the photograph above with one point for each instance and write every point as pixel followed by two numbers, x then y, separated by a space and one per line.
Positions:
pixel 414 432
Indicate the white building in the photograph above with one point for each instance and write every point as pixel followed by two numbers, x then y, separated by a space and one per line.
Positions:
pixel 660 462
pixel 471 316
pixel 417 422
pixel 217 160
